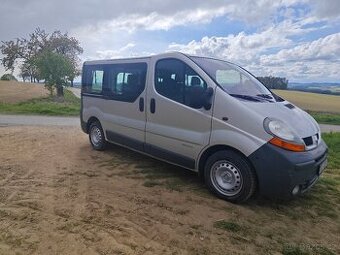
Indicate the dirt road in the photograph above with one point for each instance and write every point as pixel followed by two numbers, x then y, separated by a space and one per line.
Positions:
pixel 58 196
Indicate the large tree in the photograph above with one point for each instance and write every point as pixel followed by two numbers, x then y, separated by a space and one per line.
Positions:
pixel 55 69
pixel 24 51
pixel 272 82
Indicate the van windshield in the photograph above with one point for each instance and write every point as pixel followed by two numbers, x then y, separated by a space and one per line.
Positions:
pixel 236 81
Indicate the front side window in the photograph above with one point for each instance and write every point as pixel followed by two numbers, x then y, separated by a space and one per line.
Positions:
pixel 234 80
pixel 177 81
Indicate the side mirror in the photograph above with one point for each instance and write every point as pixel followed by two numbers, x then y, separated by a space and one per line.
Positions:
pixel 207 98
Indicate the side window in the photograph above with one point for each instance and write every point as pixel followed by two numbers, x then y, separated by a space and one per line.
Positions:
pixel 126 81
pixel 93 79
pixel 97 81
pixel 177 81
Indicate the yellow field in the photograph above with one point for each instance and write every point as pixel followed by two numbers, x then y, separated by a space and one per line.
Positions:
pixel 312 101
pixel 13 91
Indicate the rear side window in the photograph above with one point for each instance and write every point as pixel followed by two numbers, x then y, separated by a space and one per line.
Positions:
pixel 177 81
pixel 120 82
pixel 93 79
pixel 125 82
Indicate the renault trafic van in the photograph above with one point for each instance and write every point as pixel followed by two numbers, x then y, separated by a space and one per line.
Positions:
pixel 206 115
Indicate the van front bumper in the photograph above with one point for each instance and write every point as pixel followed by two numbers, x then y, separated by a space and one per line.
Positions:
pixel 284 174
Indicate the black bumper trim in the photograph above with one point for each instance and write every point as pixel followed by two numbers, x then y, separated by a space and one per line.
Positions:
pixel 279 171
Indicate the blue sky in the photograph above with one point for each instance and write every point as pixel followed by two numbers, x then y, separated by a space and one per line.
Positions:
pixel 296 39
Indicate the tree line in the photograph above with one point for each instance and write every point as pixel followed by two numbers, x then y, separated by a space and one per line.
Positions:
pixel 53 58
pixel 272 82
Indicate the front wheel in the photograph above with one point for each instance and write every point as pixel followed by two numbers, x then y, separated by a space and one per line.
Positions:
pixel 96 136
pixel 229 176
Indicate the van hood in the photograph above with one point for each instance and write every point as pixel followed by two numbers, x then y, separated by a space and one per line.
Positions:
pixel 298 120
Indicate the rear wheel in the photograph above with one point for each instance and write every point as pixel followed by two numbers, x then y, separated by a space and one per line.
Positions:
pixel 96 136
pixel 229 176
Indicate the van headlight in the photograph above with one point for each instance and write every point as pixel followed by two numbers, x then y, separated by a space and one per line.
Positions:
pixel 283 135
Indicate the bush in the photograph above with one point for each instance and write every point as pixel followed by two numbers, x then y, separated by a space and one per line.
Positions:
pixel 8 77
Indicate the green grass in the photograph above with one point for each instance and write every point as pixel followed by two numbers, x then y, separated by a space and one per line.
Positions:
pixel 227 225
pixel 70 106
pixel 326 118
pixel 306 250
pixel 333 142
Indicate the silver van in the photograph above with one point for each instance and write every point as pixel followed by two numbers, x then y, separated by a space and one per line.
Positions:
pixel 206 115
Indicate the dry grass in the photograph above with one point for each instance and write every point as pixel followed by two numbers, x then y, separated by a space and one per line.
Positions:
pixel 14 92
pixel 312 101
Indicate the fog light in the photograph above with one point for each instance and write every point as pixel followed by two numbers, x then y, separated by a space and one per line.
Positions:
pixel 296 190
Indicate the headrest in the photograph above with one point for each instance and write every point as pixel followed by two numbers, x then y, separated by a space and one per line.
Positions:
pixel 195 81
pixel 132 79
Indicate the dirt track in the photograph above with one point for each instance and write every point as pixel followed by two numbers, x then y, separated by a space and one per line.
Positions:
pixel 58 196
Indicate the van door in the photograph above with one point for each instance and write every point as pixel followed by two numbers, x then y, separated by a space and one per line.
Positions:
pixel 123 105
pixel 176 130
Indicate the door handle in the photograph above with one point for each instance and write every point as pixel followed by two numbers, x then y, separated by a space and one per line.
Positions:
pixel 141 104
pixel 152 105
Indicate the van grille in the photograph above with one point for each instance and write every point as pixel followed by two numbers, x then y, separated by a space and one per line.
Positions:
pixel 311 141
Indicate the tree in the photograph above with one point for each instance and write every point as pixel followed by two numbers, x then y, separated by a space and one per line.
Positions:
pixel 55 69
pixel 8 77
pixel 274 82
pixel 26 50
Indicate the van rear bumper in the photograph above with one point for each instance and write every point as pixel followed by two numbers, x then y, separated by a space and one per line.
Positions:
pixel 279 171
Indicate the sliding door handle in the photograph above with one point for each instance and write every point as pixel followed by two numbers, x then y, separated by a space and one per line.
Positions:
pixel 141 104
pixel 152 105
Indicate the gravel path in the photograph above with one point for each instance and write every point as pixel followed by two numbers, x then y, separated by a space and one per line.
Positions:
pixel 29 120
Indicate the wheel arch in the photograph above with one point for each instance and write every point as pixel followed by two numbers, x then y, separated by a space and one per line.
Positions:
pixel 90 121
pixel 219 147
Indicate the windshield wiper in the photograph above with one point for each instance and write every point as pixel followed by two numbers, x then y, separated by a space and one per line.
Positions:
pixel 250 98
pixel 266 96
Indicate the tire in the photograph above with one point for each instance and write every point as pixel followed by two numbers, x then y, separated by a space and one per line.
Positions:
pixel 229 176
pixel 97 137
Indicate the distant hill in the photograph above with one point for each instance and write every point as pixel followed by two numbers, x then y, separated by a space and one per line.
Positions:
pixel 316 87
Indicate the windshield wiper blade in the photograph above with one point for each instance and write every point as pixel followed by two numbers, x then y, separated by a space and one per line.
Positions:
pixel 250 98
pixel 266 96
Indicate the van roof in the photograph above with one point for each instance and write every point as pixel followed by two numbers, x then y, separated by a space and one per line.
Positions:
pixel 146 58
pixel 110 61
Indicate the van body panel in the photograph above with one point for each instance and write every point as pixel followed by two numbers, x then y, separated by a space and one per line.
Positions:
pixel 244 134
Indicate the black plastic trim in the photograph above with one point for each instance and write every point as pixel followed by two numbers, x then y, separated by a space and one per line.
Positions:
pixel 152 150
pixel 170 156
pixel 124 140
pixel 279 170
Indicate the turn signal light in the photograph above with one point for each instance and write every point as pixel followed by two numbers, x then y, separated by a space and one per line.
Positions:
pixel 287 145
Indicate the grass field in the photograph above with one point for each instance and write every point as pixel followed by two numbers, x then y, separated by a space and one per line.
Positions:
pixel 70 106
pixel 15 92
pixel 312 101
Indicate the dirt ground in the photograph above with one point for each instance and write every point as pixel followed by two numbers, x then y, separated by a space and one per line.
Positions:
pixel 58 196
pixel 14 92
